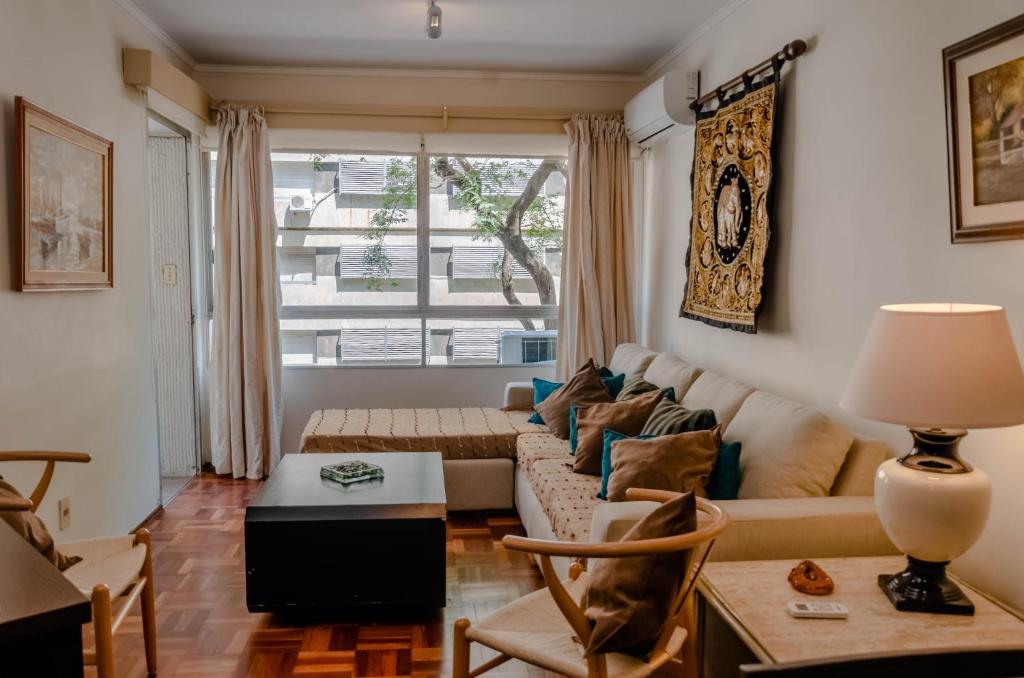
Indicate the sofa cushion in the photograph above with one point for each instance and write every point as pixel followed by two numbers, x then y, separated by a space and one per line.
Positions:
pixel 717 392
pixel 626 417
pixel 585 388
pixel 631 359
pixel 568 498
pixel 857 475
pixel 534 447
pixel 789 449
pixel 668 370
pixel 677 463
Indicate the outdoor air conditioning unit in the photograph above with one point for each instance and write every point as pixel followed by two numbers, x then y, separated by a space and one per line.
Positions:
pixel 662 109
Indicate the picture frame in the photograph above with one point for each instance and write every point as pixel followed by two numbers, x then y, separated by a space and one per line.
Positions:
pixel 984 88
pixel 64 183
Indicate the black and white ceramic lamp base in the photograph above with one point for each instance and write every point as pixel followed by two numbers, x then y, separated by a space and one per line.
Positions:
pixel 924 587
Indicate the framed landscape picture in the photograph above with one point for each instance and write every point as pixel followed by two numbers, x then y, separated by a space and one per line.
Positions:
pixel 984 77
pixel 64 183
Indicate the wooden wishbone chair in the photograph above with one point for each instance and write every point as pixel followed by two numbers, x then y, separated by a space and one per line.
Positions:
pixel 548 628
pixel 118 569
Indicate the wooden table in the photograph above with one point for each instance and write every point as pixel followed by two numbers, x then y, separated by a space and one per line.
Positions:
pixel 316 545
pixel 742 617
pixel 41 613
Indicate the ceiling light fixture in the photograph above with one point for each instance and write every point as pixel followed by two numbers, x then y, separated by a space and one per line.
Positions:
pixel 433 20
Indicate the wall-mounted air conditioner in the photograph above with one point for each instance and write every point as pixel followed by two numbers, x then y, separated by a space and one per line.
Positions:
pixel 662 109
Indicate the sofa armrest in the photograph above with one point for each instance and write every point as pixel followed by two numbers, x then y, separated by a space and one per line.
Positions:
pixel 772 529
pixel 519 395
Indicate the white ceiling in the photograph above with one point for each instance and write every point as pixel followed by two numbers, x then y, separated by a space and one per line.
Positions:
pixel 593 36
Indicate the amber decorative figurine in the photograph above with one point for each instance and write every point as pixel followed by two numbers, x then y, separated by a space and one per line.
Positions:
pixel 807 577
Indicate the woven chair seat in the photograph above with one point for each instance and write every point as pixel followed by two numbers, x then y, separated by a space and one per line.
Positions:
pixel 532 629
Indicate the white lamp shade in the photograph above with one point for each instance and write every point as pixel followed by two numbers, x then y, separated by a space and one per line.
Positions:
pixel 951 366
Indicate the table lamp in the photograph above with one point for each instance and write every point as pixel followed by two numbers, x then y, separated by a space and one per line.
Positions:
pixel 938 369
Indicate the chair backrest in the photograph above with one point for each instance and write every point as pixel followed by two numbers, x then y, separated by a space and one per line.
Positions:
pixel 698 542
pixel 51 458
pixel 977 663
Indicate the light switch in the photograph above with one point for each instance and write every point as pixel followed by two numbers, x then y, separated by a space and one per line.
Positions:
pixel 170 272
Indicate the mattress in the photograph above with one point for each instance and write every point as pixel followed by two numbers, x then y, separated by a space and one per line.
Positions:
pixel 456 432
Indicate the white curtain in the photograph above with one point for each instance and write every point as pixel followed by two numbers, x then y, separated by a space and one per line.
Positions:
pixel 245 370
pixel 596 304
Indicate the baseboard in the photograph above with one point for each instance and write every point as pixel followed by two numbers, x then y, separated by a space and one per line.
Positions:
pixel 153 514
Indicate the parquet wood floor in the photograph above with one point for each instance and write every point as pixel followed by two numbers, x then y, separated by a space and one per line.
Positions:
pixel 206 631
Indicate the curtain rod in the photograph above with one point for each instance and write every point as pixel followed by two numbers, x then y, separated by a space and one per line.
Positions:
pixel 439 112
pixel 789 52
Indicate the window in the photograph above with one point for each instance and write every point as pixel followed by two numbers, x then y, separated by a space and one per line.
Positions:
pixel 537 349
pixel 417 259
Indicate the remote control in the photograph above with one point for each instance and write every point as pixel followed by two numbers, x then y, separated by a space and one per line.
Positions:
pixel 811 610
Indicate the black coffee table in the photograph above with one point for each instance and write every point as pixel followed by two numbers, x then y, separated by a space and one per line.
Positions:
pixel 317 545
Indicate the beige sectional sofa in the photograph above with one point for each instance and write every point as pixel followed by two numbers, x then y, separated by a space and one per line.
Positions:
pixel 806 481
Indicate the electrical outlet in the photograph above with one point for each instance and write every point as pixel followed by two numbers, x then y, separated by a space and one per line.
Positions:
pixel 64 509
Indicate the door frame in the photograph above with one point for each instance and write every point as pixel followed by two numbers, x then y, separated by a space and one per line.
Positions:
pixel 196 282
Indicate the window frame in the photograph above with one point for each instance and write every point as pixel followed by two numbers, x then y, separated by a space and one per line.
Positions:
pixel 423 310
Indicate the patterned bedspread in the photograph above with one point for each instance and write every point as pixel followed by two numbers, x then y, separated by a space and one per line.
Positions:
pixel 457 433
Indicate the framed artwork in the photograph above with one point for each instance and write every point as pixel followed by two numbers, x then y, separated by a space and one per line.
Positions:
pixel 733 169
pixel 984 78
pixel 64 184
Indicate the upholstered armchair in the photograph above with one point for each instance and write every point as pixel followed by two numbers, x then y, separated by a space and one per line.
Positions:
pixel 548 628
pixel 113 572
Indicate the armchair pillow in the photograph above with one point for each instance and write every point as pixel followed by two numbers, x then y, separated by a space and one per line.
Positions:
pixel 628 600
pixel 32 529
pixel 585 388
pixel 626 417
pixel 680 463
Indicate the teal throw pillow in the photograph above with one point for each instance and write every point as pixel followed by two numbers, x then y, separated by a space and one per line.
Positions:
pixel 724 482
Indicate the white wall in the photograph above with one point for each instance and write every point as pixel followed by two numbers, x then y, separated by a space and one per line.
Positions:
pixel 76 368
pixel 312 388
pixel 862 219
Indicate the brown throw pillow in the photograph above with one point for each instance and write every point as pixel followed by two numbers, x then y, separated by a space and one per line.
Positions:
pixel 680 463
pixel 29 526
pixel 627 417
pixel 584 389
pixel 628 600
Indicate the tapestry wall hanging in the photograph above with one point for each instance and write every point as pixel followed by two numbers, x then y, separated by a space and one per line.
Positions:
pixel 732 207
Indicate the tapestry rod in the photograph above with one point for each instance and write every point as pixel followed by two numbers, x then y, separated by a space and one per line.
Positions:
pixel 788 53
